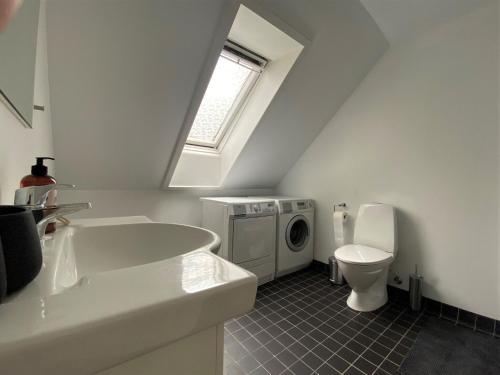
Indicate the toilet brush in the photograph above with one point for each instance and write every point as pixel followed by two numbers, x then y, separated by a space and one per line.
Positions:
pixel 416 281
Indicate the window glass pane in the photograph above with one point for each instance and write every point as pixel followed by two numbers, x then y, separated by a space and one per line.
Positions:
pixel 227 81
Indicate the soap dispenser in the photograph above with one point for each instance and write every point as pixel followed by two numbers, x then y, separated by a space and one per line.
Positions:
pixel 39 176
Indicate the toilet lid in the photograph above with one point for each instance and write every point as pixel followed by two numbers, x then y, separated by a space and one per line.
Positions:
pixel 360 254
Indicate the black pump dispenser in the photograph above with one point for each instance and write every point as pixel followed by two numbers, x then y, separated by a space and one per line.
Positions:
pixel 40 169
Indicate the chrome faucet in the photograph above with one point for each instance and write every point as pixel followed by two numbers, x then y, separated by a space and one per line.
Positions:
pixel 35 199
pixel 37 195
pixel 50 213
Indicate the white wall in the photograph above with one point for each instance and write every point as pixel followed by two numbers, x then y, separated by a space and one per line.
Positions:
pixel 20 145
pixel 180 206
pixel 196 168
pixel 421 133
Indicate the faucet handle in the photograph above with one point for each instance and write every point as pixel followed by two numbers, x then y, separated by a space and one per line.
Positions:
pixel 47 214
pixel 37 195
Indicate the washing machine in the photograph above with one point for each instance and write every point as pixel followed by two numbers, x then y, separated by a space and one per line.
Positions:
pixel 295 234
pixel 247 228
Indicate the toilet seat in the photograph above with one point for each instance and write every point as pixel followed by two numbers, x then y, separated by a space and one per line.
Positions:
pixel 362 255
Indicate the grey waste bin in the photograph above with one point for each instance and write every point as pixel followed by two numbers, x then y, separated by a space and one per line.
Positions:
pixel 336 277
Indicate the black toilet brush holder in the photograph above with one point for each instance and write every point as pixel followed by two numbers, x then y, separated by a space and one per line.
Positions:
pixel 416 282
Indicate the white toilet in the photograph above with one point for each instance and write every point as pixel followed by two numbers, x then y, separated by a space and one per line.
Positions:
pixel 365 263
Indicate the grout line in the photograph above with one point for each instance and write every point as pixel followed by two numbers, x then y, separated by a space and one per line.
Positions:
pixel 274 338
pixel 298 292
pixel 366 349
pixel 318 342
pixel 305 333
pixel 321 342
pixel 402 337
pixel 342 345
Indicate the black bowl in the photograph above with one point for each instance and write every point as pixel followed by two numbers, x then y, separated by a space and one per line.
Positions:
pixel 22 252
pixel 3 276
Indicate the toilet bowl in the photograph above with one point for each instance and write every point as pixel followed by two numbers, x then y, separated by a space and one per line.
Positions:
pixel 365 264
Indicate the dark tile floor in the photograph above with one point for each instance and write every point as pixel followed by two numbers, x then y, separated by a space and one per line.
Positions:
pixel 301 325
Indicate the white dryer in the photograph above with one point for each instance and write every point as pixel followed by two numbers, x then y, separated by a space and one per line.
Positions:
pixel 247 228
pixel 295 234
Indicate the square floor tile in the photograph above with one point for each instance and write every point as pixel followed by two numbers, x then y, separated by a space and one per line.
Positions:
pixel 365 366
pixel 312 360
pixel 301 325
pixel 338 363
pixel 353 371
pixel 263 337
pixel 327 370
pixel 274 366
pixel 274 347
pixel 300 368
pixel 241 335
pixel 298 349
pixel 287 358
pixel 259 371
pixel 285 339
pixel 262 355
pixel 373 357
pixel 356 347
pixel 248 363
pixel 322 352
pixel 251 344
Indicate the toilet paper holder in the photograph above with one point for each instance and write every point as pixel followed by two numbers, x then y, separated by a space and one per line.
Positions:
pixel 338 206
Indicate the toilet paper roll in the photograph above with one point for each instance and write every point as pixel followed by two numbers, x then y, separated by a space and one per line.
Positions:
pixel 339 219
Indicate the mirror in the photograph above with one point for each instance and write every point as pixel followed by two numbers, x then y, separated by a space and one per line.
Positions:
pixel 17 61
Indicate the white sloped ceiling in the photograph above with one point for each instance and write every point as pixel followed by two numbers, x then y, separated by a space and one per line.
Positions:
pixel 401 20
pixel 346 43
pixel 123 74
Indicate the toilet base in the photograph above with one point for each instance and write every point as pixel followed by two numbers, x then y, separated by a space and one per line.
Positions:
pixel 370 298
pixel 366 301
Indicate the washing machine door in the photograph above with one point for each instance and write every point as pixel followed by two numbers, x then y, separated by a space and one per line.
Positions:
pixel 253 238
pixel 298 232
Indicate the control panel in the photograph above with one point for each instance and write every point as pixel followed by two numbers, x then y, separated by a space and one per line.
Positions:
pixel 286 207
pixel 252 208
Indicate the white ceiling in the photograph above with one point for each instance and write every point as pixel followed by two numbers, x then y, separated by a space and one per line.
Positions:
pixel 403 19
pixel 346 43
pixel 264 39
pixel 123 75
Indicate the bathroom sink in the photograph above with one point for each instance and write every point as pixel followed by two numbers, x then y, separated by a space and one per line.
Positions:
pixel 105 248
pixel 107 282
pixel 89 250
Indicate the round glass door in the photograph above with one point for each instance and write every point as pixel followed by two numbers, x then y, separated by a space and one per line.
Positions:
pixel 297 233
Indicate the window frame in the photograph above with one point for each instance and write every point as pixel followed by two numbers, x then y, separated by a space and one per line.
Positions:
pixel 256 63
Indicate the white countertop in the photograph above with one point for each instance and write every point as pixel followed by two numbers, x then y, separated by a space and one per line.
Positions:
pixel 115 316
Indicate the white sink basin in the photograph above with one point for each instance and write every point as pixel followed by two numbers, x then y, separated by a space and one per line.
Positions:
pixel 106 282
pixel 126 245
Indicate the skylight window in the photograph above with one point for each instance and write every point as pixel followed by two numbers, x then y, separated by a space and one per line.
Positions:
pixel 233 78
